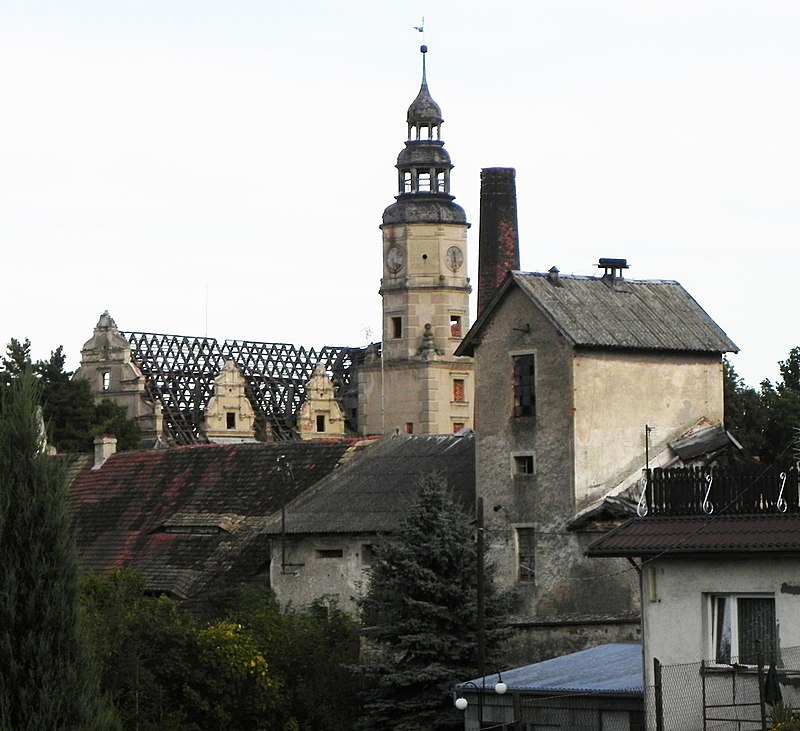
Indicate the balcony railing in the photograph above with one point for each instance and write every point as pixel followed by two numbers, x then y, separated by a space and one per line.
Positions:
pixel 734 491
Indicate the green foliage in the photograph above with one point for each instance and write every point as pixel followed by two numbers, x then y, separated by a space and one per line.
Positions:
pixel 255 667
pixel 421 613
pixel 766 421
pixel 71 417
pixel 46 681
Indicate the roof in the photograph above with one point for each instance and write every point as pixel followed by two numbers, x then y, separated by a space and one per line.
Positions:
pixel 613 669
pixel 606 312
pixel 379 485
pixel 702 535
pixel 188 515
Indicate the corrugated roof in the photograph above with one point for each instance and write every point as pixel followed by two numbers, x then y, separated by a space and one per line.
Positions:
pixel 702 534
pixel 613 669
pixel 600 312
pixel 378 487
pixel 184 516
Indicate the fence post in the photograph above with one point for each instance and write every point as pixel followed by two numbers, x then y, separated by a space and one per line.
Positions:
pixel 659 696
pixel 761 694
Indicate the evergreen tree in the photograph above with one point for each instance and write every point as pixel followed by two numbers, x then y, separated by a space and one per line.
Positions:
pixel 745 412
pixel 71 417
pixel 421 612
pixel 46 683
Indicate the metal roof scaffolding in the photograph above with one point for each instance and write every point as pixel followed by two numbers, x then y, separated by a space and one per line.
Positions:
pixel 180 371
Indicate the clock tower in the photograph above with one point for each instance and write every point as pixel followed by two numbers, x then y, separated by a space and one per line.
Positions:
pixel 416 384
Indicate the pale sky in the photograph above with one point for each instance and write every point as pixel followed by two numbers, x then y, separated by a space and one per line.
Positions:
pixel 221 168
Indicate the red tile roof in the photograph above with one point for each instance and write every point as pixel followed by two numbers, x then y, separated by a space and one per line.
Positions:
pixel 191 516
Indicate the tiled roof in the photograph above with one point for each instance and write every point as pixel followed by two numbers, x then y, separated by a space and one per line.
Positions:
pixel 612 669
pixel 599 312
pixel 731 535
pixel 189 515
pixel 378 486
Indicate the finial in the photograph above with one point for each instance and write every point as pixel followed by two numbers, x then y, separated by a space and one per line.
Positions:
pixel 421 29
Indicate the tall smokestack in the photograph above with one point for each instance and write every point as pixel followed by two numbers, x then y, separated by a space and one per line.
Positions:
pixel 498 248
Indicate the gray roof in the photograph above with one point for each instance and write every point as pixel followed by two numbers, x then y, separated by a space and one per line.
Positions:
pixel 613 669
pixel 605 312
pixel 372 492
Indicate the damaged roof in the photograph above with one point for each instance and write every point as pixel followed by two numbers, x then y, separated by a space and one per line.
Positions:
pixel 378 486
pixel 188 516
pixel 612 312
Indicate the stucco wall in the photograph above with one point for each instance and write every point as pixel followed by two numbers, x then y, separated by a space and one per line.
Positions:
pixel 675 622
pixel 569 590
pixel 618 393
pixel 310 574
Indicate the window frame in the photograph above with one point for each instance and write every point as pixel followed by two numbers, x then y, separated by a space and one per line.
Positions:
pixel 716 621
pixel 526 549
pixel 524 384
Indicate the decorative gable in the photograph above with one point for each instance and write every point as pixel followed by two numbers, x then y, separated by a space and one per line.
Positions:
pixel 229 414
pixel 320 416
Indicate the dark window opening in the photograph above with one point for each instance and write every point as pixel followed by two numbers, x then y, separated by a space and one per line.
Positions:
pixel 330 553
pixel 524 386
pixel 320 422
pixel 526 554
pixel 409 427
pixel 367 555
pixel 397 327
pixel 230 420
pixel 523 464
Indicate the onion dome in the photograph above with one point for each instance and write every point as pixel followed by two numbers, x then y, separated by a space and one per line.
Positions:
pixel 424 112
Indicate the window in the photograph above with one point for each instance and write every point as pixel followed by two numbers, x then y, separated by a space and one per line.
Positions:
pixel 458 389
pixel 397 327
pixel 526 554
pixel 523 464
pixel 320 422
pixel 230 420
pixel 330 553
pixel 457 426
pixel 409 427
pixel 524 383
pixel 455 326
pixel 367 555
pixel 738 622
pixel 106 380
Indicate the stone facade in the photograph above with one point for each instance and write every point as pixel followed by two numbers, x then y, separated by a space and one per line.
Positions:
pixel 229 414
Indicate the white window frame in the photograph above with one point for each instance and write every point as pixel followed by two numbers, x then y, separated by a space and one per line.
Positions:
pixel 730 625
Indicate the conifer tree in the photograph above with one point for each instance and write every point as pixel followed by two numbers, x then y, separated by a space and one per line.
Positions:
pixel 421 612
pixel 46 683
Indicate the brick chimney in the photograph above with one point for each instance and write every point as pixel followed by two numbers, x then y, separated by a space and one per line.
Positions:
pixel 104 447
pixel 498 249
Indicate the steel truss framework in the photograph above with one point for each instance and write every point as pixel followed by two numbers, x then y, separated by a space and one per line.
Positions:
pixel 179 373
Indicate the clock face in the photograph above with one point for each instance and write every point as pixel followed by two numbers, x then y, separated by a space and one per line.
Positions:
pixel 454 258
pixel 394 259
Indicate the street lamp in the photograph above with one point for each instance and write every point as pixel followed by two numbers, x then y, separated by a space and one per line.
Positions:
pixel 461 702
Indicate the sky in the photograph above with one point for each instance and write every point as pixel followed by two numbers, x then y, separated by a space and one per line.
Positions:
pixel 209 168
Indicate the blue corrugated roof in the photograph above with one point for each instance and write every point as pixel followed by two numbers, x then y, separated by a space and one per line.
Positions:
pixel 613 669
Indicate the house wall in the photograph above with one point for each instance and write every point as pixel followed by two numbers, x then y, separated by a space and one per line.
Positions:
pixel 312 572
pixel 675 625
pixel 574 602
pixel 617 394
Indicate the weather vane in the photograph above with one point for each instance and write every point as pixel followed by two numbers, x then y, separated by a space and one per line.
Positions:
pixel 421 29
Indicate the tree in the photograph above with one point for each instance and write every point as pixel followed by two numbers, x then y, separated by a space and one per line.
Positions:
pixel 421 613
pixel 745 412
pixel 46 679
pixel 71 417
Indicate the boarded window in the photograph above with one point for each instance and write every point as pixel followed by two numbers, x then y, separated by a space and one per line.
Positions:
pixel 455 326
pixel 524 386
pixel 458 389
pixel 457 426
